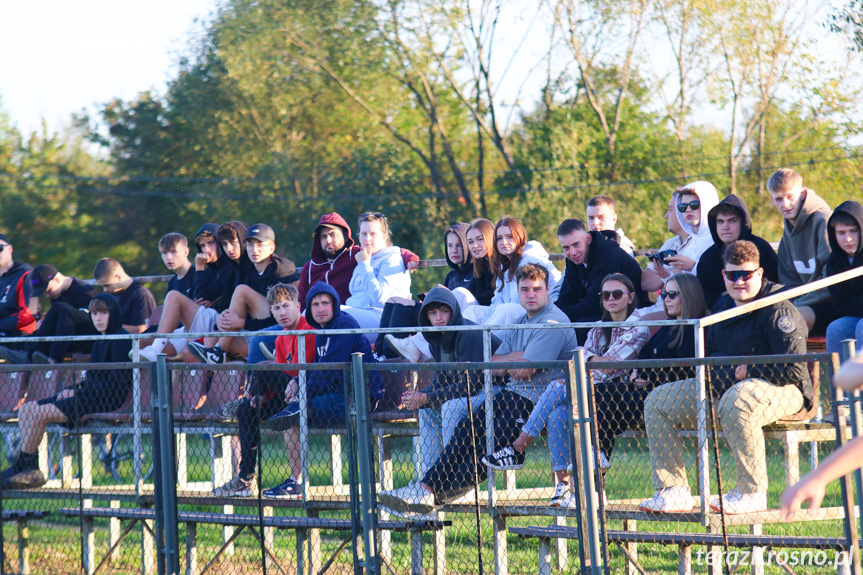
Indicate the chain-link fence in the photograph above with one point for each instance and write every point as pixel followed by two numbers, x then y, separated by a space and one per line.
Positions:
pixel 423 468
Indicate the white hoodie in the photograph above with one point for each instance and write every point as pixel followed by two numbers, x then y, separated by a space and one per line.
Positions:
pixel 708 197
pixel 376 280
pixel 533 253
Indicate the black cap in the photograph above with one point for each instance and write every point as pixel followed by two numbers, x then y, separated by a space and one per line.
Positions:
pixel 261 232
pixel 40 276
pixel 4 238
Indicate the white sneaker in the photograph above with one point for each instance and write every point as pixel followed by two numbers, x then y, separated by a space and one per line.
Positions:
pixel 569 502
pixel 561 494
pixel 405 348
pixel 668 500
pixel 411 498
pixel 145 353
pixel 736 503
pixel 409 515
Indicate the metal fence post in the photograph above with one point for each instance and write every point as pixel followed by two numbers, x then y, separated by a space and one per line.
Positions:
pixel 847 351
pixel 165 484
pixel 364 454
pixel 589 478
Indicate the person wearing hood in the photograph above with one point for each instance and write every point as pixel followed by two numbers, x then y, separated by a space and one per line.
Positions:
pixel 68 316
pixel 214 273
pixel 101 390
pixel 729 221
pixel 804 248
pixel 684 217
pixel 325 388
pixel 16 314
pixel 380 273
pixel 751 395
pixel 443 404
pixel 843 232
pixel 590 257
pixel 258 272
pixel 333 257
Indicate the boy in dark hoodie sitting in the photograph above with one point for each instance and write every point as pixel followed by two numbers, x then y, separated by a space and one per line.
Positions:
pixel 444 403
pixel 101 390
pixel 259 271
pixel 843 233
pixel 324 389
pixel 729 221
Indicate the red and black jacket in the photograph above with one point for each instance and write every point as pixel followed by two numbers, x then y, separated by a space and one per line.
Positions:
pixel 15 290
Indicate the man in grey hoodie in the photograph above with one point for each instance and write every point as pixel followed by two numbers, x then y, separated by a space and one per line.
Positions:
pixel 804 249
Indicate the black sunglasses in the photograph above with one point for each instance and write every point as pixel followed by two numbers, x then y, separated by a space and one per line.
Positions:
pixel 694 204
pixel 669 294
pixel 736 275
pixel 614 295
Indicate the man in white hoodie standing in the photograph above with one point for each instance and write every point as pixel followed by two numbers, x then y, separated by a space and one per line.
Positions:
pixel 804 248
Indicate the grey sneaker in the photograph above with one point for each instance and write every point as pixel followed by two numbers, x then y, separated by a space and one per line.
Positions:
pixel 16 356
pixel 237 487
pixel 228 411
pixel 29 478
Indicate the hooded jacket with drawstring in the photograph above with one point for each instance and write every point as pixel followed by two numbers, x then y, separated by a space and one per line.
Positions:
pixel 337 348
pixel 102 390
pixel 710 265
pixel 533 253
pixel 217 282
pixel 708 197
pixel 452 347
pixel 339 271
pixel 804 249
pixel 460 275
pixel 848 295
pixel 15 288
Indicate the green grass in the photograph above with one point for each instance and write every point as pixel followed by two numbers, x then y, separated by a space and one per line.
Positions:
pixel 55 543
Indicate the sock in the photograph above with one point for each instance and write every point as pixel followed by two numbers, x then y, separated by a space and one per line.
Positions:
pixel 159 344
pixel 26 460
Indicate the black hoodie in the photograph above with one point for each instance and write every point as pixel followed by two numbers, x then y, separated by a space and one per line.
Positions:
pixel 579 294
pixel 460 275
pixel 848 295
pixel 452 347
pixel 710 266
pixel 217 282
pixel 280 270
pixel 107 389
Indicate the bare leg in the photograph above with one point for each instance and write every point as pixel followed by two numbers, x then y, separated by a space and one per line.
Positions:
pixel 178 308
pixel 245 302
pixel 292 442
pixel 522 442
pixel 33 418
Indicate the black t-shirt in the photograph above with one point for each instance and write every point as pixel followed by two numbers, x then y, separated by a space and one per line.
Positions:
pixel 77 295
pixel 185 286
pixel 137 304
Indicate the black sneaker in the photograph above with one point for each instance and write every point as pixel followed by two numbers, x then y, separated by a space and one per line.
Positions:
pixel 15 356
pixel 504 459
pixel 286 419
pixel 22 476
pixel 39 357
pixel 211 355
pixel 269 352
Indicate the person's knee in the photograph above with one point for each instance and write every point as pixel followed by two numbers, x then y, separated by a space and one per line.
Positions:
pixel 738 402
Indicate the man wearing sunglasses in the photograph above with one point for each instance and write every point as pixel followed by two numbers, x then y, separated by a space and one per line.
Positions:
pixel 804 248
pixel 752 396
pixel 16 312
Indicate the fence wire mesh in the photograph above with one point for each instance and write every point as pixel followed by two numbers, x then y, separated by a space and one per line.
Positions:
pixel 265 485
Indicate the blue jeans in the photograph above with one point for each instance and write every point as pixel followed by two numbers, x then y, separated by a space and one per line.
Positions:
pixel 437 425
pixel 844 328
pixel 550 413
pixel 255 355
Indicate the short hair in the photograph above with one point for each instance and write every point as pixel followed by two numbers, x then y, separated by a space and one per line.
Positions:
pixel 233 231
pixel 376 217
pixel 98 305
pixel 601 200
pixel 728 210
pixel 282 291
pixel 783 179
pixel 741 252
pixel 843 218
pixel 570 225
pixel 107 267
pixel 172 240
pixel 435 306
pixel 531 272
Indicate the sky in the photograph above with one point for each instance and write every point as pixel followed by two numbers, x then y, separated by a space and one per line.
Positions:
pixel 58 57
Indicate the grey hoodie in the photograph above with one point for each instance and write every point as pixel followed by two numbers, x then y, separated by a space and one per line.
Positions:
pixel 804 249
